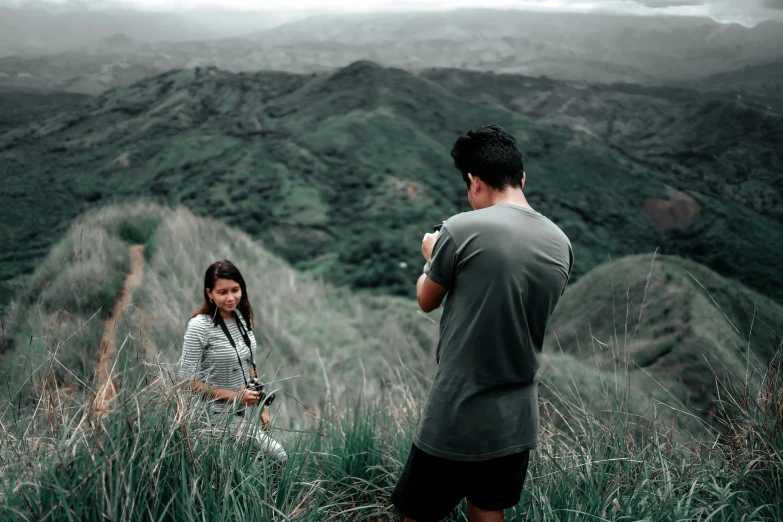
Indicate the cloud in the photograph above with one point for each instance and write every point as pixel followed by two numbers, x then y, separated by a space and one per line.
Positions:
pixel 746 12
pixel 669 3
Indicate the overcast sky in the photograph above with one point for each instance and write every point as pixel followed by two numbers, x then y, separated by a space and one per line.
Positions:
pixel 743 11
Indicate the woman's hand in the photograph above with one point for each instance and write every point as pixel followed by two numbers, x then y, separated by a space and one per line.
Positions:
pixel 265 417
pixel 247 397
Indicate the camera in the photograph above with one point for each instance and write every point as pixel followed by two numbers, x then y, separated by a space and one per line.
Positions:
pixel 256 385
pixel 437 227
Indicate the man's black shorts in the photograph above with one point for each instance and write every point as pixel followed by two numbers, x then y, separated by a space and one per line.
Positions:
pixel 430 487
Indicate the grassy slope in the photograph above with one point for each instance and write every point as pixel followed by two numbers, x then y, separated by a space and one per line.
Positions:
pixel 672 323
pixel 57 318
pixel 311 329
pixel 340 173
pixel 152 459
pixel 305 327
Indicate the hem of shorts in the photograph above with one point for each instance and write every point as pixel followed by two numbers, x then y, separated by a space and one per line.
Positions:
pixel 412 515
pixel 517 448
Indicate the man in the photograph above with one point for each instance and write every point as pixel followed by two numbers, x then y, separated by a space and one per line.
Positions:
pixel 504 267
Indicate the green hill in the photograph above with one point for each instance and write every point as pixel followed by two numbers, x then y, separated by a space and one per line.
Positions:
pixel 764 80
pixel 691 328
pixel 19 107
pixel 671 324
pixel 342 173
pixel 305 328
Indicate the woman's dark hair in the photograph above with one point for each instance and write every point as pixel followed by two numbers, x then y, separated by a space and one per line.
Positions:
pixel 492 154
pixel 225 270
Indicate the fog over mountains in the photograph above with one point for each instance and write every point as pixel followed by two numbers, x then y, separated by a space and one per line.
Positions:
pixel 43 28
pixel 112 52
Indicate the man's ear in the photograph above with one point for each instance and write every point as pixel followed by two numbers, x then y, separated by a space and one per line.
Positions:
pixel 524 178
pixel 474 183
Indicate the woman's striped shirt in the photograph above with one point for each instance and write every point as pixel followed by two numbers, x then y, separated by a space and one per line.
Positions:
pixel 207 355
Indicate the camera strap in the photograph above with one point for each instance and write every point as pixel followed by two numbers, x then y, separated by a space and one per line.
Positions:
pixel 245 337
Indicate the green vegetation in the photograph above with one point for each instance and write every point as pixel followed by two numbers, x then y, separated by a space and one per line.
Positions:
pixel 304 327
pixel 22 107
pixel 340 174
pixel 672 325
pixel 353 371
pixel 152 458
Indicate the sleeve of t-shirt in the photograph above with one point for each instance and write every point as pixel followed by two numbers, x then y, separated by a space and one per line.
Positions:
pixel 190 363
pixel 442 266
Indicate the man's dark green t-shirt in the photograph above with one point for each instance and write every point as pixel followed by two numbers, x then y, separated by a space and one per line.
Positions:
pixel 505 268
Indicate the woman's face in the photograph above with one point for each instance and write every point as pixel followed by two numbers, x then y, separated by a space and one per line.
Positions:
pixel 226 294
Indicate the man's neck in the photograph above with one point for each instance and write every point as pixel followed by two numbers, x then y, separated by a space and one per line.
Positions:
pixel 513 196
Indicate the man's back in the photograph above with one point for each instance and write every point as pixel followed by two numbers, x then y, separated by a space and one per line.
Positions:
pixel 505 267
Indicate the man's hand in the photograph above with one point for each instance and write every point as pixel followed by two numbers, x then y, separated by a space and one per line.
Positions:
pixel 428 243
pixel 265 417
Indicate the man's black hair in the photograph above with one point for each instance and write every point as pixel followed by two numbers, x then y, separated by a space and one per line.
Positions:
pixel 492 154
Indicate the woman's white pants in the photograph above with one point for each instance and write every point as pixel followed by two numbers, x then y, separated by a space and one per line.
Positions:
pixel 247 426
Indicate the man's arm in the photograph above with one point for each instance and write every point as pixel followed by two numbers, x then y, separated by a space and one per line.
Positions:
pixel 429 293
pixel 431 287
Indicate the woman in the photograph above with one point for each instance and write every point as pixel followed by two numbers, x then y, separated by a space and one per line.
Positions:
pixel 219 353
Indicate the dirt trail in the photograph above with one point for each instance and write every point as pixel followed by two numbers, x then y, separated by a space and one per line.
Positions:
pixel 108 350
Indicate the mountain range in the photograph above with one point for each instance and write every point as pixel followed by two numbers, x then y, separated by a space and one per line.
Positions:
pixel 726 145
pixel 342 172
pixel 37 28
pixel 587 47
pixel 764 80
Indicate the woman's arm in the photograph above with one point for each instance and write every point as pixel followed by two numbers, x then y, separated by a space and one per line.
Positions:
pixel 210 391
pixel 247 397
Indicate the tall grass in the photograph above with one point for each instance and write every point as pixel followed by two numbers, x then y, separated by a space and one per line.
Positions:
pixel 754 434
pixel 152 457
pixel 61 311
